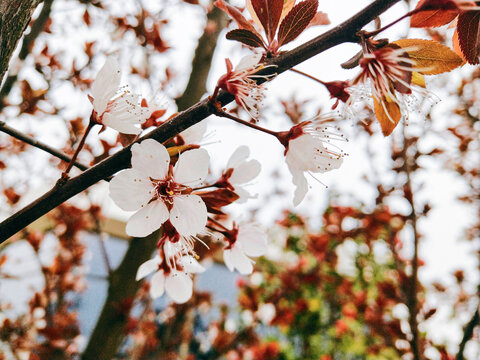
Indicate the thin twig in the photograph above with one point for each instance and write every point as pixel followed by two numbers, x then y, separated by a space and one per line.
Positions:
pixel 91 124
pixel 38 144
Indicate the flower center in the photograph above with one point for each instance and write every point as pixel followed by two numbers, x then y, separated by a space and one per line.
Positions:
pixel 167 189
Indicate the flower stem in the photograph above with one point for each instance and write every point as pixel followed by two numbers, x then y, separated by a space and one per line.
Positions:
pixel 307 75
pixel 219 112
pixel 378 31
pixel 77 151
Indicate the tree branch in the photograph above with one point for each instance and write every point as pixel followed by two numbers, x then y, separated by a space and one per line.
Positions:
pixel 468 333
pixel 345 32
pixel 14 18
pixel 38 144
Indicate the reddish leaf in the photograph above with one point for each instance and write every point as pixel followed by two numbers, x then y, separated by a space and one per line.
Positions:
pixel 269 13
pixel 468 36
pixel 296 21
pixel 245 37
pixel 432 15
pixel 217 199
pixel 320 18
pixel 236 15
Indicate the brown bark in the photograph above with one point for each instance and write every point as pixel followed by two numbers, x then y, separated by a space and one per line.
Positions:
pixel 14 18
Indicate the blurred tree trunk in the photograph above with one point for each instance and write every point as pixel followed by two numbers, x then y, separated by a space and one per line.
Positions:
pixel 14 18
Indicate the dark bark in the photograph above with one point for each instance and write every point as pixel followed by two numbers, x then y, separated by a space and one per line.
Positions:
pixel 345 32
pixel 36 29
pixel 14 18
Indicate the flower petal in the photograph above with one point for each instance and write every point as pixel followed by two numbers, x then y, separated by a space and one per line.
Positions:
pixel 188 214
pixel 252 239
pixel 148 267
pixel 236 259
pixel 239 155
pixel 151 158
pixel 123 114
pixel 245 172
pixel 179 286
pixel 148 219
pixel 157 284
pixel 105 85
pixel 195 133
pixel 191 167
pixel 191 265
pixel 243 194
pixel 300 181
pixel 248 61
pixel 130 189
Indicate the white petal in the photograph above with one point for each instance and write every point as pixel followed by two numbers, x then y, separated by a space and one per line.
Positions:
pixel 148 219
pixel 191 167
pixel 130 189
pixel 148 267
pixel 157 284
pixel 228 260
pixel 121 127
pixel 124 114
pixel 151 158
pixel 191 265
pixel 238 260
pixel 243 194
pixel 245 172
pixel 179 286
pixel 105 85
pixel 239 155
pixel 195 133
pixel 300 152
pixel 188 214
pixel 248 61
pixel 301 183
pixel 252 239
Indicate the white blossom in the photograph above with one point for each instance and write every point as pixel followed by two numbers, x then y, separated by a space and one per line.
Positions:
pixel 250 240
pixel 241 171
pixel 176 283
pixel 116 107
pixel 309 150
pixel 159 192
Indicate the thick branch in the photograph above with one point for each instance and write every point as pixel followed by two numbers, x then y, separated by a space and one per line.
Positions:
pixel 14 18
pixel 345 32
pixel 27 44
pixel 38 144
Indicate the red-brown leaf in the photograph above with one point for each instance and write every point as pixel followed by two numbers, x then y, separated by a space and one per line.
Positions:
pixel 320 18
pixel 296 21
pixel 269 13
pixel 216 199
pixel 468 36
pixel 236 15
pixel 245 37
pixel 432 18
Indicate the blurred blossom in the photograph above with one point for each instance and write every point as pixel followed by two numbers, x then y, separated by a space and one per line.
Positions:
pixel 244 241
